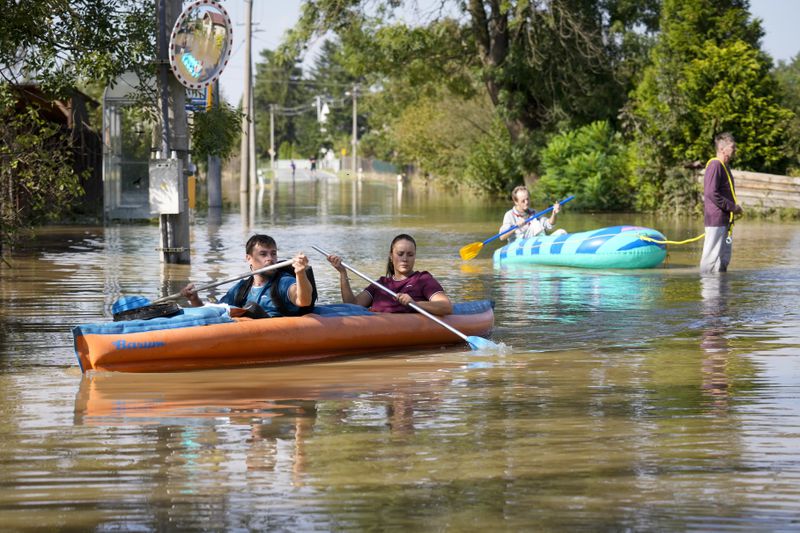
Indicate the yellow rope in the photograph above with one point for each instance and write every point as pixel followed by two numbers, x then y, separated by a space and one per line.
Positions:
pixel 650 239
pixel 693 239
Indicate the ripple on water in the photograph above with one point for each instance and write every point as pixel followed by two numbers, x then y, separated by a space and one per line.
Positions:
pixel 647 400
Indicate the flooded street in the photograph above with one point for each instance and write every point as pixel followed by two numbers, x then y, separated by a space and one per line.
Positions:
pixel 642 400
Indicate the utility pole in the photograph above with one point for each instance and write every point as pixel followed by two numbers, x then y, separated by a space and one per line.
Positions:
pixel 168 170
pixel 272 140
pixel 246 99
pixel 355 130
pixel 251 150
pixel 214 162
pixel 163 56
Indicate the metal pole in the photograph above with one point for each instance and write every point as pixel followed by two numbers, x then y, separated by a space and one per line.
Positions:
pixel 251 150
pixel 355 130
pixel 214 162
pixel 174 227
pixel 272 138
pixel 245 146
pixel 163 59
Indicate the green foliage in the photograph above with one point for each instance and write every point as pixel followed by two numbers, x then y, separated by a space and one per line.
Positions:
pixel 276 85
pixel 37 182
pixel 458 141
pixel 58 45
pixel 215 132
pixel 788 77
pixel 730 89
pixel 286 151
pixel 543 65
pixel 591 163
pixel 493 164
pixel 707 76
pixel 280 83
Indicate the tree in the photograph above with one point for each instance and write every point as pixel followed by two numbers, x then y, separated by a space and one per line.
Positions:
pixel 333 83
pixel 707 75
pixel 61 44
pixel 36 173
pixel 57 45
pixel 282 83
pixel 544 65
pixel 788 76
pixel 442 132
pixel 553 64
pixel 589 162
pixel 278 84
pixel 215 132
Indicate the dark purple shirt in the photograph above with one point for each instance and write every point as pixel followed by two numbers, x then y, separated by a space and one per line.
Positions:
pixel 718 201
pixel 419 285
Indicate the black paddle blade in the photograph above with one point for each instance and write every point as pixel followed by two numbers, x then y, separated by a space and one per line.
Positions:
pixel 148 311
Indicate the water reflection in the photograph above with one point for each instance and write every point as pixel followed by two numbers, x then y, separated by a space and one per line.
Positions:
pixel 577 306
pixel 120 398
pixel 652 401
pixel 399 204
pixel 273 440
pixel 244 211
pixel 279 407
pixel 273 195
pixel 715 291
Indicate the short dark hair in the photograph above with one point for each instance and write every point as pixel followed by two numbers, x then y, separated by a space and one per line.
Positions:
pixel 265 241
pixel 725 137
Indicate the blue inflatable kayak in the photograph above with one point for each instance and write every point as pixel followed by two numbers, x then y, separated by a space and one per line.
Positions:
pixel 614 247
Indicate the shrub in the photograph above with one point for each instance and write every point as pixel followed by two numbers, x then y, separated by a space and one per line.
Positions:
pixel 590 162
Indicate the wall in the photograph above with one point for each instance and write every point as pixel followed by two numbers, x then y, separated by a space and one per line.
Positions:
pixel 754 189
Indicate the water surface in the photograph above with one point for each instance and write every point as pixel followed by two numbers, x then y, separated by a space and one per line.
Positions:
pixel 646 400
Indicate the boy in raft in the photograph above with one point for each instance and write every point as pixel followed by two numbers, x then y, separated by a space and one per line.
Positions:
pixel 419 288
pixel 521 212
pixel 272 293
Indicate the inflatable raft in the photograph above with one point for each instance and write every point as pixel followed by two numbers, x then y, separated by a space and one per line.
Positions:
pixel 205 337
pixel 613 247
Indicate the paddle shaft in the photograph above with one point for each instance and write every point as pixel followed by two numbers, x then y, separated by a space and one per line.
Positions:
pixel 269 268
pixel 394 294
pixel 535 215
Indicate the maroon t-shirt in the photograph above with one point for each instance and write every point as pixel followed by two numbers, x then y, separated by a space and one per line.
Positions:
pixel 419 285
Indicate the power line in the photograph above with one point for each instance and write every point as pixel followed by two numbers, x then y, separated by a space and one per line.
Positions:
pixel 310 83
pixel 304 108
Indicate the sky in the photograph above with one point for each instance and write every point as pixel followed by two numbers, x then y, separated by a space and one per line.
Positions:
pixel 272 18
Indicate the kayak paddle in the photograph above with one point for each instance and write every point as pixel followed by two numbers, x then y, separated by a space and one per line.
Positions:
pixel 476 343
pixel 276 266
pixel 139 307
pixel 470 251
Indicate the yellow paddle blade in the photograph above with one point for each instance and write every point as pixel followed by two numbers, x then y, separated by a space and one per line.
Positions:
pixel 470 251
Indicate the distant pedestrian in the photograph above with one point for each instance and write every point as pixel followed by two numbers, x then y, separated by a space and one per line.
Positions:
pixel 719 206
pixel 294 167
pixel 313 162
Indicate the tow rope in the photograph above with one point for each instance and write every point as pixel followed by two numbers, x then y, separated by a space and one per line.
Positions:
pixel 730 219
pixel 650 239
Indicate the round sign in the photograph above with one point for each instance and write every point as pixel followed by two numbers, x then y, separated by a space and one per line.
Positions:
pixel 201 43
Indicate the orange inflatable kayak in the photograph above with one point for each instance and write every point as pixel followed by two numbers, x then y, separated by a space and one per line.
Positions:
pixel 190 342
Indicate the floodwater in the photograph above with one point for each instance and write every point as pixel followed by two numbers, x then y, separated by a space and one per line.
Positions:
pixel 628 400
